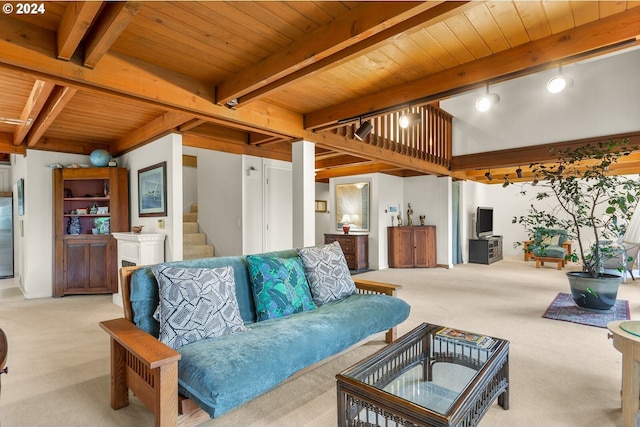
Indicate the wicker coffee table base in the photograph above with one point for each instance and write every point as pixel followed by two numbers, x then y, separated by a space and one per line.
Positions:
pixel 361 404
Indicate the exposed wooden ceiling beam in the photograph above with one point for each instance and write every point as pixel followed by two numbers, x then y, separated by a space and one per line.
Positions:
pixel 37 98
pixel 524 59
pixel 353 169
pixel 66 146
pixel 6 144
pixel 282 152
pixel 155 129
pixel 338 160
pixel 353 32
pixel 75 23
pixel 112 21
pixel 59 98
pixel 30 49
pixel 533 154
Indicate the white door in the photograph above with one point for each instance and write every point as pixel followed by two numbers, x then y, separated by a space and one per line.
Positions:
pixel 279 209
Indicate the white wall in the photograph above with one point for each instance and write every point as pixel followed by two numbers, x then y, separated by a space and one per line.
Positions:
pixel 431 196
pixel 323 219
pixel 166 149
pixel 33 250
pixel 528 115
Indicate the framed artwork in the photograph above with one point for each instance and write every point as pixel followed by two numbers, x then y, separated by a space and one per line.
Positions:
pixel 21 196
pixel 152 190
pixel 352 206
pixel 321 205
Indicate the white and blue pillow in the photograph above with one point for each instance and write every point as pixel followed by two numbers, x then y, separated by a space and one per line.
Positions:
pixel 327 272
pixel 196 303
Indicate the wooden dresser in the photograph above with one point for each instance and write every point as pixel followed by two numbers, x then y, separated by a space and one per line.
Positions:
pixel 412 246
pixel 355 248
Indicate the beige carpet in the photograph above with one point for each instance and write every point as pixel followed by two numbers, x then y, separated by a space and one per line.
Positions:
pixel 562 374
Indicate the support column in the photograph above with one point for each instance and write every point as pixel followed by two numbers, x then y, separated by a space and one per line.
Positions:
pixel 304 193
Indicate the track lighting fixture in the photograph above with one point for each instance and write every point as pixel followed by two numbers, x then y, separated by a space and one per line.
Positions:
pixel 409 119
pixel 519 172
pixel 486 101
pixel 488 175
pixel 560 170
pixel 535 180
pixel 559 82
pixel 506 182
pixel 364 130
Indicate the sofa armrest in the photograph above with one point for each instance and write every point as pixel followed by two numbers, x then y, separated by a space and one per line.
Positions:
pixel 144 365
pixel 371 287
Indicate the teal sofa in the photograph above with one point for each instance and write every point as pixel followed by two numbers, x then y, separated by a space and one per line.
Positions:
pixel 222 373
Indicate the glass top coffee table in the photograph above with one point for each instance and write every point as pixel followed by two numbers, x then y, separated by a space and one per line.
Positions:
pixel 426 378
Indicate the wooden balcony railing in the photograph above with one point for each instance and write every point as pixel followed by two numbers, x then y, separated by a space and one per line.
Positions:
pixel 429 140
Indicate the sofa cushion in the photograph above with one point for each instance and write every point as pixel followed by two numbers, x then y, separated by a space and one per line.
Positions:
pixel 196 303
pixel 280 287
pixel 224 373
pixel 327 273
pixel 144 299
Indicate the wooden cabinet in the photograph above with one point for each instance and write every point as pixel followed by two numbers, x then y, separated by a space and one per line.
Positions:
pixel 485 251
pixel 412 246
pixel 84 262
pixel 355 248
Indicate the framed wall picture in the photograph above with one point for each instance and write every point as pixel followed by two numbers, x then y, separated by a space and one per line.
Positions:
pixel 321 205
pixel 152 190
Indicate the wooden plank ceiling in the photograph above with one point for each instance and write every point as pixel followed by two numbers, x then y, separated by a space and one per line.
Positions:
pixel 253 77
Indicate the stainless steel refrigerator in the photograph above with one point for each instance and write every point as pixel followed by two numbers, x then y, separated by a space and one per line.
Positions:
pixel 6 237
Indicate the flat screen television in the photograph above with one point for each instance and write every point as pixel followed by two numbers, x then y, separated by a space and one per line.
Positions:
pixel 484 222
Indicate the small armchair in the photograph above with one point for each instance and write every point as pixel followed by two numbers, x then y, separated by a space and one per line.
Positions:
pixel 550 245
pixel 623 257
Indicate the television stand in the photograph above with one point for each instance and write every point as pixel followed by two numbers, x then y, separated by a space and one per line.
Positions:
pixel 485 251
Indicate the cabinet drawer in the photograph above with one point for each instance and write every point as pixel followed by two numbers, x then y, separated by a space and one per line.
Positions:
pixel 351 258
pixel 347 248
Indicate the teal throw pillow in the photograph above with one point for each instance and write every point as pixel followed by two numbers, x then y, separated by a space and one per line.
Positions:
pixel 279 286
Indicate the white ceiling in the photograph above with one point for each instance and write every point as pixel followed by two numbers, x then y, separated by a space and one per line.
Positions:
pixel 604 100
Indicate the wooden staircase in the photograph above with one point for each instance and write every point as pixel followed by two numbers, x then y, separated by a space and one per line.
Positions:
pixel 194 243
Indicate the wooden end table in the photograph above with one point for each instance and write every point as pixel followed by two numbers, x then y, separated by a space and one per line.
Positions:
pixel 629 345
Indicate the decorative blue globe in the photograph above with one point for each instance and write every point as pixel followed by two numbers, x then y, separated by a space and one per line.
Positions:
pixel 99 158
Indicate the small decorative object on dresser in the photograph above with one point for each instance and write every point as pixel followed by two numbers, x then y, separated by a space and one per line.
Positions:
pixel 74 226
pixel 136 229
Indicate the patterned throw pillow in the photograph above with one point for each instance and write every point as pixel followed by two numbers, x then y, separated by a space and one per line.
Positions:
pixel 327 273
pixel 279 286
pixel 196 303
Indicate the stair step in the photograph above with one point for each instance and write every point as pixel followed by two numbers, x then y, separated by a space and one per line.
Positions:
pixel 194 239
pixel 194 207
pixel 190 217
pixel 190 228
pixel 197 251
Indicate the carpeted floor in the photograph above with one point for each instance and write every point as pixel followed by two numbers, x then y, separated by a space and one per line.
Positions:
pixel 561 373
pixel 564 308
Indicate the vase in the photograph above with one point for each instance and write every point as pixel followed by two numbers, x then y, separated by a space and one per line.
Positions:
pixel 594 293
pixel 346 228
pixel 74 226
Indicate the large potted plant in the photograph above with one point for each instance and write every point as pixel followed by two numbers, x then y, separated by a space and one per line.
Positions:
pixel 578 194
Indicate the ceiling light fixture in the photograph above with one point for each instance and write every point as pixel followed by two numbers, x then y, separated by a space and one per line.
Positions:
pixel 409 119
pixel 364 130
pixel 535 180
pixel 486 101
pixel 559 82
pixel 488 175
pixel 519 172
pixel 506 182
